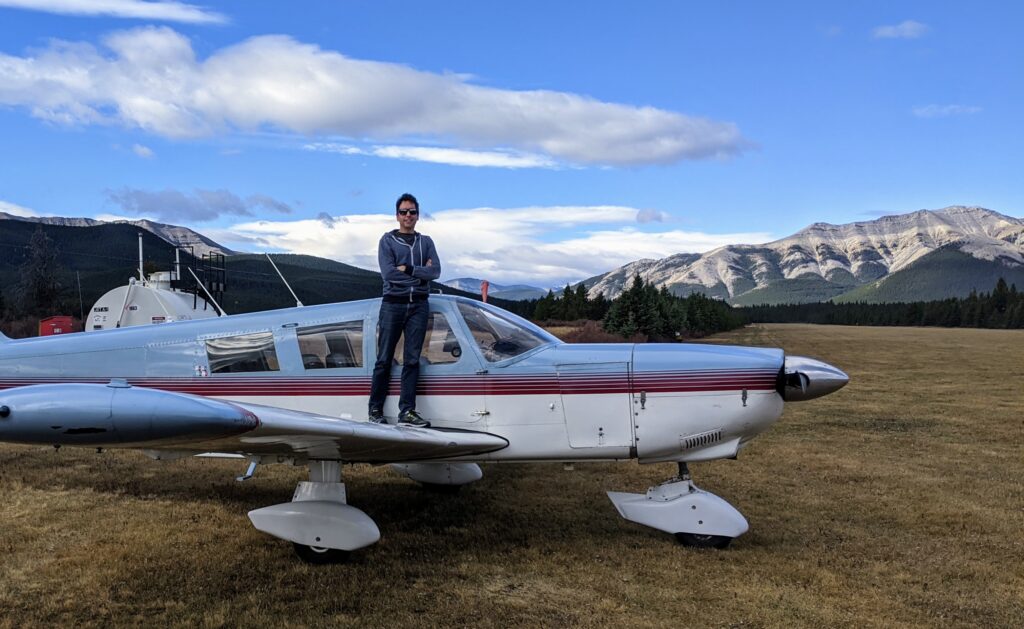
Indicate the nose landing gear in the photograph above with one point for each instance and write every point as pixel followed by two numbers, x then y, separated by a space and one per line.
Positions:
pixel 697 518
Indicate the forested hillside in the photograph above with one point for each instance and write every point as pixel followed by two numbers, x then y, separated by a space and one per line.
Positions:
pixel 58 269
pixel 1001 308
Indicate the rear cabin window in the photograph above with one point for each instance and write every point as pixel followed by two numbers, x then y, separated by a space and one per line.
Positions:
pixel 245 353
pixel 332 345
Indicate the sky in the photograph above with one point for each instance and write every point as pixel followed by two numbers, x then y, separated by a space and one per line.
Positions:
pixel 547 142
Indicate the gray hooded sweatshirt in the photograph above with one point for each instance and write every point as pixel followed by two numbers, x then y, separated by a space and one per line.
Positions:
pixel 414 283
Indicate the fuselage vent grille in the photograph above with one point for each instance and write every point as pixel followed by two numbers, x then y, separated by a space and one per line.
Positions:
pixel 703 439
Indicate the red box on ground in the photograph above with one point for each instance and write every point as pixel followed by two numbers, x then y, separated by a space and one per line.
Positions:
pixel 60 324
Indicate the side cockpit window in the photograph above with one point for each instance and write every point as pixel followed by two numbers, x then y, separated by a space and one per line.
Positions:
pixel 331 346
pixel 498 337
pixel 244 353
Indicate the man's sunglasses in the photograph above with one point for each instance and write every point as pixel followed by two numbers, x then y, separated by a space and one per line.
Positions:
pixel 412 212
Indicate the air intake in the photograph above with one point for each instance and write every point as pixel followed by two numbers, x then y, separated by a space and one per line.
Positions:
pixel 702 439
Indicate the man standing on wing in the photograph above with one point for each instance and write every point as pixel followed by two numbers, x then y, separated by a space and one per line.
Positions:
pixel 408 261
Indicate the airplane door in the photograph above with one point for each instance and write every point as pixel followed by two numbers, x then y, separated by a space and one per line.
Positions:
pixel 449 392
pixel 596 403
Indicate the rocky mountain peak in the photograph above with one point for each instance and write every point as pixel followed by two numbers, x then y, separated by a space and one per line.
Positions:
pixel 845 255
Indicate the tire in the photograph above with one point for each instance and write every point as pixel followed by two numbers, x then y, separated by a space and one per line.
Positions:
pixel 695 540
pixel 320 556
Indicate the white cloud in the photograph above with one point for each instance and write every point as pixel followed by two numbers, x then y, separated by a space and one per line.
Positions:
pixel 333 147
pixel 17 210
pixel 438 155
pixel 150 78
pixel 461 157
pixel 143 151
pixel 135 9
pixel 908 29
pixel 503 245
pixel 941 111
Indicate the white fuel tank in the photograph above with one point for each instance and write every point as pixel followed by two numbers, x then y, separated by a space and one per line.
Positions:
pixel 145 303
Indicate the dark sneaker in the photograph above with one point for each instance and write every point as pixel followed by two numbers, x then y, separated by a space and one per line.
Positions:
pixel 412 418
pixel 377 417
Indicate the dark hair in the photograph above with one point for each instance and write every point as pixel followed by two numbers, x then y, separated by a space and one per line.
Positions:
pixel 407 197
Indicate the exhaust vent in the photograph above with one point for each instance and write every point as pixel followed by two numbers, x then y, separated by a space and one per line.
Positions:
pixel 702 439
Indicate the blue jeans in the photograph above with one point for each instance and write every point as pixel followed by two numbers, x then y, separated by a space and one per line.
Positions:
pixel 410 318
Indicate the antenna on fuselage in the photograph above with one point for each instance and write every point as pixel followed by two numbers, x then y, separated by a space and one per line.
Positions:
pixel 208 295
pixel 281 275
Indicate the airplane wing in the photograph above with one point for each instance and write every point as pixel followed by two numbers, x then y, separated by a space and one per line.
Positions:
pixel 121 415
pixel 322 437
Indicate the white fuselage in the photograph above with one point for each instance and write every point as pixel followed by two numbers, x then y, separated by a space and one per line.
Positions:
pixel 667 402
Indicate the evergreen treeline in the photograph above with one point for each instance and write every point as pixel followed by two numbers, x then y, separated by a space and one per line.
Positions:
pixel 1002 308
pixel 571 305
pixel 642 310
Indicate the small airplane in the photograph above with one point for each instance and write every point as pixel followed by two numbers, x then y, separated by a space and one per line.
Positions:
pixel 292 385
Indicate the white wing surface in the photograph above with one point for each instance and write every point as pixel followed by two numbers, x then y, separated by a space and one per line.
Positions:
pixel 322 437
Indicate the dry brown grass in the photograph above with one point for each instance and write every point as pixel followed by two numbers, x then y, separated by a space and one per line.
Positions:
pixel 896 502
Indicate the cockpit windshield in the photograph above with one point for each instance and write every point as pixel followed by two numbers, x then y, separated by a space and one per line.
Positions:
pixel 501 336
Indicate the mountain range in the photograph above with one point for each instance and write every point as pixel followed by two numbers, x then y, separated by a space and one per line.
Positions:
pixel 172 234
pixel 514 292
pixel 923 255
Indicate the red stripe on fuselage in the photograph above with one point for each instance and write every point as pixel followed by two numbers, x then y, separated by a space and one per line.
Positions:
pixel 455 385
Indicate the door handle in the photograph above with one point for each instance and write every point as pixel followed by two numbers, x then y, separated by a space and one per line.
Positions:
pixel 480 413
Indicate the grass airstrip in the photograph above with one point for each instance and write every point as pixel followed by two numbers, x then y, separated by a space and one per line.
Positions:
pixel 897 502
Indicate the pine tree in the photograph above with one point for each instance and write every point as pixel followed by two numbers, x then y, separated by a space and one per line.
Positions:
pixel 1000 296
pixel 38 289
pixel 542 312
pixel 597 307
pixel 1015 315
pixel 622 316
pixel 579 302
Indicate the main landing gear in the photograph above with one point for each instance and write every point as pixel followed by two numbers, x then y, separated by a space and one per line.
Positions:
pixel 318 521
pixel 696 518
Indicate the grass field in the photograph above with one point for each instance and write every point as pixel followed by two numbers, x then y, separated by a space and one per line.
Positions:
pixel 898 501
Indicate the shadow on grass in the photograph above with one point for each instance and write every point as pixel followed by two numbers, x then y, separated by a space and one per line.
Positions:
pixel 511 510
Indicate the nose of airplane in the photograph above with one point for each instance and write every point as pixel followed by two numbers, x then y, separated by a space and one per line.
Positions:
pixel 803 378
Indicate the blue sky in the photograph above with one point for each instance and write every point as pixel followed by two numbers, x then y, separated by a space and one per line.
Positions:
pixel 546 141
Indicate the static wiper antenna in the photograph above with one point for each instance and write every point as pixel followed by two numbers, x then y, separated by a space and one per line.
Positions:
pixel 279 274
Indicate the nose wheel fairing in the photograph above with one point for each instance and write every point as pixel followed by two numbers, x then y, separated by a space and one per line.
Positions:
pixel 681 508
